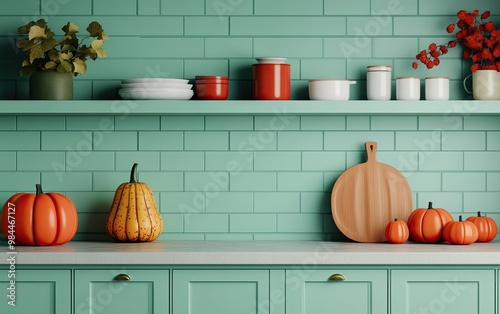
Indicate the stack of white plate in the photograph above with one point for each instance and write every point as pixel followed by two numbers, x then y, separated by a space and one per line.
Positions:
pixel 156 88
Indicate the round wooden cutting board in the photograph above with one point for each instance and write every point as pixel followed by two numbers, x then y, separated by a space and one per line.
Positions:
pixel 366 197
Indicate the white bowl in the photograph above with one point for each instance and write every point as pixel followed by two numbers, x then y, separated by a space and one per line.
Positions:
pixel 138 94
pixel 157 86
pixel 329 89
pixel 154 80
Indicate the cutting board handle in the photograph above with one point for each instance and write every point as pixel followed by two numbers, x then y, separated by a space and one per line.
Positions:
pixel 371 151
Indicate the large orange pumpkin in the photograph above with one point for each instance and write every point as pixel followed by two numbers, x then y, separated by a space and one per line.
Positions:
pixel 486 227
pixel 134 216
pixel 460 232
pixel 39 219
pixel 426 224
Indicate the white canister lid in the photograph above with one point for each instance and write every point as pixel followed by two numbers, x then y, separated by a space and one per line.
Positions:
pixel 437 77
pixel 408 78
pixel 275 60
pixel 386 68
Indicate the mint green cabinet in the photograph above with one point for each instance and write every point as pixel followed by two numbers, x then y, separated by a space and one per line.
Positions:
pixel 336 291
pixel 443 291
pixel 121 291
pixel 220 291
pixel 35 291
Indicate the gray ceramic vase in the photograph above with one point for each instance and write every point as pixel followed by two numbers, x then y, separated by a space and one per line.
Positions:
pixel 51 86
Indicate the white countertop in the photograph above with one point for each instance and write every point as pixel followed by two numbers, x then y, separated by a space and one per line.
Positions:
pixel 253 253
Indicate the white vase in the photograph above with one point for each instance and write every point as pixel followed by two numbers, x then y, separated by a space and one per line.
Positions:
pixel 485 85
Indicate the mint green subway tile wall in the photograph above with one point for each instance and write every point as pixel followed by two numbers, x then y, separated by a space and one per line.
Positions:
pixel 247 177
pixel 185 38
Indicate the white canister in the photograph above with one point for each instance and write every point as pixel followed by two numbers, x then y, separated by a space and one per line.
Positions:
pixel 408 88
pixel 437 88
pixel 378 82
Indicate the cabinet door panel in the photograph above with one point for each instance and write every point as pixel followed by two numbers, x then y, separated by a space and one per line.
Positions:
pixel 220 291
pixel 36 291
pixel 310 291
pixel 443 291
pixel 96 291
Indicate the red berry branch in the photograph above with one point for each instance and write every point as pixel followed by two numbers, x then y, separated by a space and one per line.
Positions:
pixel 481 42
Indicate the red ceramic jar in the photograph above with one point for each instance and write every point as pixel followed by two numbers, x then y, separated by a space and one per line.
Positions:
pixel 208 87
pixel 271 81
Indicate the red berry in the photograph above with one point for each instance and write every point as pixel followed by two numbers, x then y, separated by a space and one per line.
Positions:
pixel 466 54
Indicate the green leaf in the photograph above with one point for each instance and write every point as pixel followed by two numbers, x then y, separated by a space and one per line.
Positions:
pixel 66 57
pixel 65 67
pixel 69 42
pixel 70 28
pixel 48 44
pixel 36 32
pixel 80 66
pixel 51 65
pixel 25 29
pixel 95 30
pixel 26 70
pixel 67 47
pixel 25 44
pixel 26 62
pixel 42 23
pixel 36 52
pixel 97 45
pixel 53 55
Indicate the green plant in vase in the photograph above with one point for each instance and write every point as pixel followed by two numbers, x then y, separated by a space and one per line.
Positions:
pixel 51 58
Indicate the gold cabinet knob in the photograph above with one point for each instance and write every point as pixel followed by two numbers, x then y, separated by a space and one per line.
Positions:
pixel 122 277
pixel 337 277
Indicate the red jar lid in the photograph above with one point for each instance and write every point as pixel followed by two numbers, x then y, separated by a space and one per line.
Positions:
pixel 211 77
pixel 198 82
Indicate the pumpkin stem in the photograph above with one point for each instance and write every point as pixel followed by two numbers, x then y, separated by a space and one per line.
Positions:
pixel 460 218
pixel 430 206
pixel 133 173
pixel 38 188
pixel 479 214
pixel 395 219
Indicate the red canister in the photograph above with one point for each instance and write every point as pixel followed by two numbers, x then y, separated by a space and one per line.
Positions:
pixel 212 87
pixel 271 81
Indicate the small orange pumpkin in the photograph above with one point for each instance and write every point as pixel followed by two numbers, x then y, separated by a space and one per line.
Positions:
pixel 486 227
pixel 39 219
pixel 460 232
pixel 397 231
pixel 426 224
